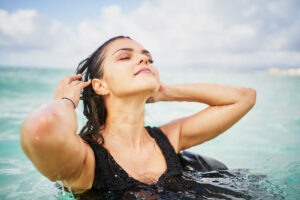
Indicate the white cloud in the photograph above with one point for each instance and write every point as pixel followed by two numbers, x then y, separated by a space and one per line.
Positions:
pixel 207 33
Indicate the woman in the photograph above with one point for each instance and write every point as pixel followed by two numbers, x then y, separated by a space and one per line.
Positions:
pixel 114 150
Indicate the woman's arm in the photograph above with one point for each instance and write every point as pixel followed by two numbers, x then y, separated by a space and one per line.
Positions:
pixel 227 105
pixel 49 139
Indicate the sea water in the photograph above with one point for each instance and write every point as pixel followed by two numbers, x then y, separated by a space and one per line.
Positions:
pixel 261 150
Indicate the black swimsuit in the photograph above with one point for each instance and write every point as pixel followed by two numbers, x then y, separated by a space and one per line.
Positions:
pixel 111 176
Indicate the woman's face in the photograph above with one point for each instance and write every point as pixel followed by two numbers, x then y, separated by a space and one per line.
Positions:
pixel 123 59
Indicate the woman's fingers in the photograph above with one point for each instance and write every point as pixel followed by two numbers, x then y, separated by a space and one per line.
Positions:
pixel 70 87
pixel 74 83
pixel 71 78
pixel 84 84
pixel 150 100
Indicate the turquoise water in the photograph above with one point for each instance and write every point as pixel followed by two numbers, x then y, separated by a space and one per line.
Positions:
pixel 266 141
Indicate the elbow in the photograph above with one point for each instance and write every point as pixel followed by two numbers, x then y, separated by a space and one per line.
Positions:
pixel 249 96
pixel 36 131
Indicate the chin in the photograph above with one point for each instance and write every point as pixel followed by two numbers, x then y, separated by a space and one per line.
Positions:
pixel 148 86
pixel 151 87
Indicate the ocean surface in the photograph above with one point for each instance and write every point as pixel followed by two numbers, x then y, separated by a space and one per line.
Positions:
pixel 264 145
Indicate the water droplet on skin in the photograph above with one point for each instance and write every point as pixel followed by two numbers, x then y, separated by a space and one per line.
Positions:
pixel 37 138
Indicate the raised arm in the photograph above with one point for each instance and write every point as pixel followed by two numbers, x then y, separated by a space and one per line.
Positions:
pixel 227 105
pixel 49 139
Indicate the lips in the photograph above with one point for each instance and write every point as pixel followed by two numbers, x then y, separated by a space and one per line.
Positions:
pixel 143 69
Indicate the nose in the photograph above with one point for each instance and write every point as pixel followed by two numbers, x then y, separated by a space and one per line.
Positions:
pixel 142 59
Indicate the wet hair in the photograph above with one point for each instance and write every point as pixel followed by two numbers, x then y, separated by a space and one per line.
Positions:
pixel 94 108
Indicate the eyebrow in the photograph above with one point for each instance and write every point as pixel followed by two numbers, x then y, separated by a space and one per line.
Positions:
pixel 144 51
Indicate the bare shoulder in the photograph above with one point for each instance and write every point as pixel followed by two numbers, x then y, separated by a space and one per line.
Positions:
pixel 172 131
pixel 85 179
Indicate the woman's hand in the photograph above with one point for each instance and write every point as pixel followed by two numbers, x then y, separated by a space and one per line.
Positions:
pixel 160 95
pixel 70 87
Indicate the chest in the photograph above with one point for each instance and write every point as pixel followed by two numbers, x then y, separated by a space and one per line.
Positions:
pixel 146 167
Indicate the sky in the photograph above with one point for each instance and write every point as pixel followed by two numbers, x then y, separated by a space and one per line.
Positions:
pixel 204 34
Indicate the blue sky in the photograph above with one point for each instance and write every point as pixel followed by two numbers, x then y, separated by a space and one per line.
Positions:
pixel 232 34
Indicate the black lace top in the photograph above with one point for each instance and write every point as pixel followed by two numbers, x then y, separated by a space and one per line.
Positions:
pixel 110 176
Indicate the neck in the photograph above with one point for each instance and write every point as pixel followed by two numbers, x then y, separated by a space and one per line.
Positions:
pixel 125 122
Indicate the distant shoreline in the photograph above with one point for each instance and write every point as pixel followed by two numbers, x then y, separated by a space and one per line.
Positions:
pixel 290 72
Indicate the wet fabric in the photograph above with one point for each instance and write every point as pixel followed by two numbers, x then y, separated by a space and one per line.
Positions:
pixel 195 162
pixel 111 176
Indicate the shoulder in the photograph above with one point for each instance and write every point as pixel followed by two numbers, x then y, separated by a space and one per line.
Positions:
pixel 172 132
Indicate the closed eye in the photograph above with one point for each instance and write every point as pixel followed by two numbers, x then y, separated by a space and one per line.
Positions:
pixel 128 57
pixel 125 58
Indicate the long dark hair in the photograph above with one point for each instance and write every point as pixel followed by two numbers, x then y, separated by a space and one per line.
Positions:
pixel 94 108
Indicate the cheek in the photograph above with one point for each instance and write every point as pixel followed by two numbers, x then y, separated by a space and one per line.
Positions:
pixel 118 78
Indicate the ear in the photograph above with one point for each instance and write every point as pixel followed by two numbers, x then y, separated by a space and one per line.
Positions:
pixel 99 86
